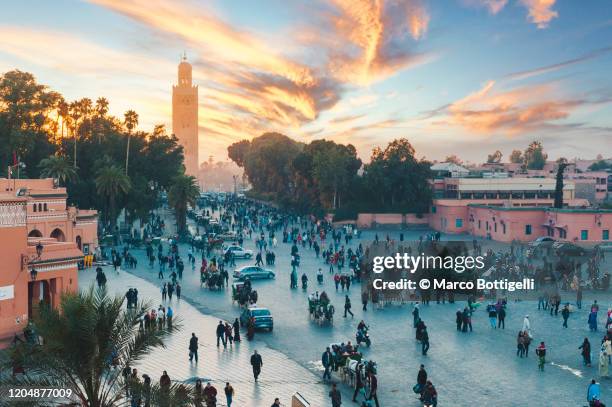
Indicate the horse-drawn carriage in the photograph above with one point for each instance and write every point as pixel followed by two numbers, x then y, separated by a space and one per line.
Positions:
pixel 212 280
pixel 320 308
pixel 243 294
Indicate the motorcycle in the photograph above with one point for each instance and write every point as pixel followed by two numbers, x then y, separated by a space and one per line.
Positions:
pixel 363 336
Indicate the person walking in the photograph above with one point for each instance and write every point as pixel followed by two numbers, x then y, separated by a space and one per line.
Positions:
pixel 335 396
pixel 424 341
pixel 164 292
pixel 373 388
pixel 347 306
pixel 541 352
pixel 415 315
pixel 593 391
pixel 256 363
pixel 221 334
pixel 565 313
pixel 421 380
pixel 501 317
pixel 276 403
pixel 193 348
pixel 326 360
pixel 458 319
pixel 586 352
pixel 236 330
pixel 364 300
pixel 229 394
pixel 358 382
pixel 526 324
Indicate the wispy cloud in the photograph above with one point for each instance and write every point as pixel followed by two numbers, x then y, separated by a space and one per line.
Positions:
pixel 346 119
pixel 517 111
pixel 555 67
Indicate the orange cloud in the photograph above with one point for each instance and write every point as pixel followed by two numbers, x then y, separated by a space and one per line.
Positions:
pixel 371 38
pixel 540 11
pixel 248 85
pixel 510 112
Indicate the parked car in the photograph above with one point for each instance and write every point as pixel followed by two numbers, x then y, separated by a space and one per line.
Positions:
pixel 542 241
pixel 239 252
pixel 260 316
pixel 253 272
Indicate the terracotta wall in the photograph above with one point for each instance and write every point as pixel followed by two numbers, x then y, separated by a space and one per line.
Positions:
pixel 367 220
pixel 13 281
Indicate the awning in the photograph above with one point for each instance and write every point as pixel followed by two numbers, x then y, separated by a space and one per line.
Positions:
pixel 561 226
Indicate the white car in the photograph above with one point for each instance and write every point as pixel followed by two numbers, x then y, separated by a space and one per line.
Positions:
pixel 239 252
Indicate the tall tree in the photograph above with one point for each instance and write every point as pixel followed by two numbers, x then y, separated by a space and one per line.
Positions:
pixel 534 156
pixel 238 151
pixel 58 168
pixel 453 159
pixel 111 182
pixel 495 158
pixel 80 338
pixel 395 180
pixel 183 193
pixel 130 121
pixel 516 157
pixel 561 166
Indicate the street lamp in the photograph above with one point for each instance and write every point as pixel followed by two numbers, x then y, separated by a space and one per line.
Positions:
pixel 26 260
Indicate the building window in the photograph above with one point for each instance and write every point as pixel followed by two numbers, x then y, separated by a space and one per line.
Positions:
pixel 487 225
pixel 605 234
pixel 34 207
pixel 584 235
pixel 478 223
pixel 527 229
pixel 458 223
pixel 45 207
pixel 504 228
pixel 39 207
pixel 433 209
pixel 495 227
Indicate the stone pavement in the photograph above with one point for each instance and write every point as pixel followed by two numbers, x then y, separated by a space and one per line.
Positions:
pixel 280 377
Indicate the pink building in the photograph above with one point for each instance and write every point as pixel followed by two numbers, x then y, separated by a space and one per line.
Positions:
pixel 49 216
pixel 34 270
pixel 525 224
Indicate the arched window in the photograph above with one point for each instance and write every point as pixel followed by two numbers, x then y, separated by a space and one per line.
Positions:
pixel 58 235
pixel 35 233
pixel 34 207
pixel 39 207
pixel 45 206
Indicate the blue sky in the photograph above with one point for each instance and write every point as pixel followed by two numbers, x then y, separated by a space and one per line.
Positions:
pixel 461 77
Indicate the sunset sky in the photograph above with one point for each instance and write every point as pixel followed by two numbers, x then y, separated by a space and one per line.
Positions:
pixel 461 77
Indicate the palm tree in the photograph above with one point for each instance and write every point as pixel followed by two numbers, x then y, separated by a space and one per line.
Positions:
pixel 101 111
pixel 82 338
pixel 183 192
pixel 74 112
pixel 58 168
pixel 111 182
pixel 131 121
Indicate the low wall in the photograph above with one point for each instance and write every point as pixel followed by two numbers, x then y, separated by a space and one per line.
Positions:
pixel 368 220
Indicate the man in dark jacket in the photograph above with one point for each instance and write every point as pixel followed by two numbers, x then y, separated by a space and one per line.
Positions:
pixel 221 334
pixel 422 379
pixel 373 388
pixel 326 359
pixel 335 396
pixel 193 347
pixel 257 363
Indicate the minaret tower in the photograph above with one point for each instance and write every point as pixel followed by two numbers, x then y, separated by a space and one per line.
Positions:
pixel 185 116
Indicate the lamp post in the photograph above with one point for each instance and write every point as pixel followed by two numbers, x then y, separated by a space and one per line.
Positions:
pixel 27 260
